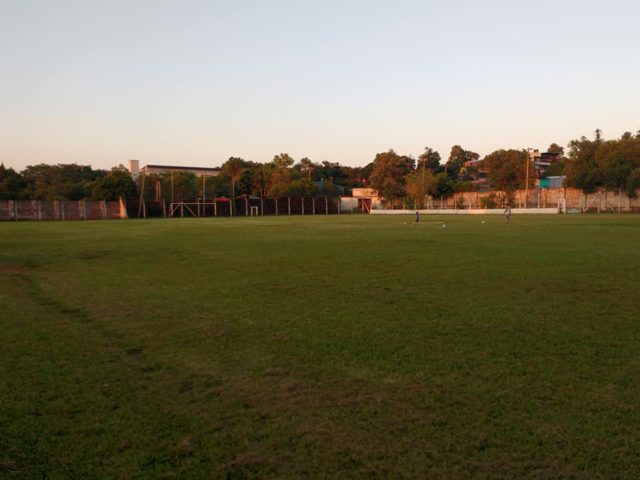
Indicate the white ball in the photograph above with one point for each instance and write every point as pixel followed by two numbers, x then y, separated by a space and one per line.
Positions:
pixel 482 221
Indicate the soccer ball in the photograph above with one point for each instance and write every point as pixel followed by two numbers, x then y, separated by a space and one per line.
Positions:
pixel 482 221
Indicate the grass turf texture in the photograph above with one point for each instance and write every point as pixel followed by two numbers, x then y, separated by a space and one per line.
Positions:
pixel 343 346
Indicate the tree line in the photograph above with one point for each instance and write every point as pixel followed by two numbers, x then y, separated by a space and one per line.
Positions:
pixel 64 182
pixel 587 165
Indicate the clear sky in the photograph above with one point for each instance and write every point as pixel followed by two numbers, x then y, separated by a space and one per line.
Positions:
pixel 194 82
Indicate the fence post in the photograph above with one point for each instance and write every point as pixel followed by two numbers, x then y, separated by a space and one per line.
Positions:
pixel 302 201
pixel 276 206
pixel 599 201
pixel 261 206
pixel 288 205
pixel 326 205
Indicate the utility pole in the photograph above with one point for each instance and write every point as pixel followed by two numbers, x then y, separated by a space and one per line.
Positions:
pixel 423 189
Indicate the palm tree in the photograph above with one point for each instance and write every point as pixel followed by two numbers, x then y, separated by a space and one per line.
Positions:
pixel 306 165
pixel 234 168
pixel 261 178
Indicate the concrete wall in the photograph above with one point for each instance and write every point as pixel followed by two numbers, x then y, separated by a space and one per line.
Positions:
pixel 575 200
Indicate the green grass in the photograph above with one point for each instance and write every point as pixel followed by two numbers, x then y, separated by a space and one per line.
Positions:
pixel 351 346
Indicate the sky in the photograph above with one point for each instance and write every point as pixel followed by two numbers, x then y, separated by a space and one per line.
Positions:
pixel 192 82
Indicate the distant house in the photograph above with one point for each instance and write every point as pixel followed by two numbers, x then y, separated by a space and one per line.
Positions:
pixel 481 185
pixel 542 160
pixel 136 170
pixel 367 198
pixel 552 182
pixel 473 163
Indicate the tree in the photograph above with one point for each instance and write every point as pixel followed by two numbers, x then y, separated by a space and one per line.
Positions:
pixel 388 174
pixel 280 180
pixel 555 169
pixel 428 164
pixel 555 148
pixel 283 160
pixel 615 160
pixel 300 188
pixel 633 183
pixel 306 166
pixel 417 184
pixel 233 168
pixel 598 134
pixel 176 186
pixel 366 171
pixel 11 183
pixel 442 186
pixel 506 169
pixel 581 169
pixel 262 178
pixel 457 158
pixel 59 182
pixel 117 183
pixel 429 160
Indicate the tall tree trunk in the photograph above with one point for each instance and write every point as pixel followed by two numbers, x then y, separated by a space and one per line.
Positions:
pixel 233 196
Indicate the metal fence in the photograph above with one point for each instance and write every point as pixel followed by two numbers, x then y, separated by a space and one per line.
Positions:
pixel 253 206
pixel 61 210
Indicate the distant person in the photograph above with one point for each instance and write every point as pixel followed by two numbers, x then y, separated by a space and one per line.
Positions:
pixel 507 213
pixel 417 216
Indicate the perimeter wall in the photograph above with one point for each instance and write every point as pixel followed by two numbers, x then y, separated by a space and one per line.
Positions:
pixel 570 199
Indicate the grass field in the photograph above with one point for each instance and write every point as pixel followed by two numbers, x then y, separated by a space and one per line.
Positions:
pixel 351 346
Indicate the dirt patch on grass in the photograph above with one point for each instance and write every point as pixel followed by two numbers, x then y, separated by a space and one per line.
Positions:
pixel 7 269
pixel 16 266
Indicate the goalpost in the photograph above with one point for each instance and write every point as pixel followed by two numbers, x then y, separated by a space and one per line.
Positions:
pixel 254 211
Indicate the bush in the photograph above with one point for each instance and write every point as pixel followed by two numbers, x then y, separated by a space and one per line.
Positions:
pixel 633 183
pixel 489 201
